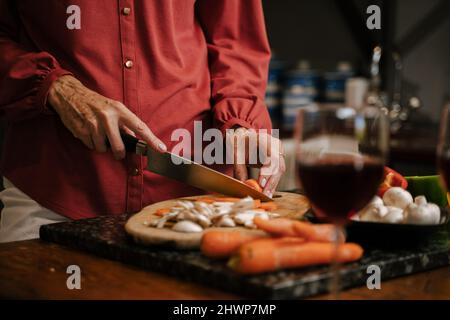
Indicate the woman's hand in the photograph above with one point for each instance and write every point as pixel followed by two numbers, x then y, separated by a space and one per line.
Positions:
pixel 251 148
pixel 92 117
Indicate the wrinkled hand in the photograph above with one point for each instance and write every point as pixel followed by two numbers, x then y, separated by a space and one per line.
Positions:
pixel 92 117
pixel 257 149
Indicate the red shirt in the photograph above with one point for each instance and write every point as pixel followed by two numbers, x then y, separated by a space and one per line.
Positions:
pixel 191 60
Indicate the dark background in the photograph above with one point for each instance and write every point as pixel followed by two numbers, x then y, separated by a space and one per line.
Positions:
pixel 318 31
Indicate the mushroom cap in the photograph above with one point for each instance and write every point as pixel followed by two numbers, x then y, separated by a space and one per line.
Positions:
pixel 428 214
pixel 420 200
pixel 394 215
pixel 187 226
pixel 376 201
pixel 397 197
pixel 373 213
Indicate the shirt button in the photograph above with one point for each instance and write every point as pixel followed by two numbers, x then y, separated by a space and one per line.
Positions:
pixel 126 11
pixel 129 64
pixel 134 172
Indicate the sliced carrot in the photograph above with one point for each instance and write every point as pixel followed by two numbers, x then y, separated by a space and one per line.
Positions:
pixel 206 200
pixel 256 204
pixel 267 255
pixel 227 199
pixel 162 211
pixel 222 244
pixel 291 228
pixel 268 206
pixel 252 183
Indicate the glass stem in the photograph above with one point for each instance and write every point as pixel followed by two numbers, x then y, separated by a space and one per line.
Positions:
pixel 335 265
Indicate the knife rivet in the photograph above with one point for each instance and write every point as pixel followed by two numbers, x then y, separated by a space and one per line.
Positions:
pixel 134 172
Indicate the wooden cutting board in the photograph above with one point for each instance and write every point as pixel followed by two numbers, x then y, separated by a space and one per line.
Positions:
pixel 290 205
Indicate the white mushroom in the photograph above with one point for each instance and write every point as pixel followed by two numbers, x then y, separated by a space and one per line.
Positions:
pixel 376 201
pixel 244 217
pixel 397 197
pixel 193 216
pixel 427 214
pixel 435 213
pixel 262 215
pixel 222 210
pixel 187 215
pixel 249 224
pixel 226 221
pixel 185 204
pixel 203 208
pixel 243 204
pixel 159 223
pixel 222 204
pixel 373 213
pixel 420 200
pixel 203 221
pixel 187 227
pixel 394 215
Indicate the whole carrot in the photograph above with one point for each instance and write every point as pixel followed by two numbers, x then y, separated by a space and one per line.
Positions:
pixel 317 232
pixel 222 244
pixel 267 255
pixel 292 228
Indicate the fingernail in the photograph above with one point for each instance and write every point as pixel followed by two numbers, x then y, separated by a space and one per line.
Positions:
pixel 162 147
pixel 263 182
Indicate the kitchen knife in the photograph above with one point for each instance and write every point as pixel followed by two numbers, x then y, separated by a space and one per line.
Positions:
pixel 184 170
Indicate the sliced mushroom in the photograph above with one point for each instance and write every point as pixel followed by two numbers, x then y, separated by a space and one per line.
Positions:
pixel 203 221
pixel 187 227
pixel 262 215
pixel 222 204
pixel 203 208
pixel 244 204
pixel 159 223
pixel 249 224
pixel 226 221
pixel 185 204
pixel 244 217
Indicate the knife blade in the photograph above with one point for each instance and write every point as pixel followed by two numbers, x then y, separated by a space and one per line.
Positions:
pixel 187 171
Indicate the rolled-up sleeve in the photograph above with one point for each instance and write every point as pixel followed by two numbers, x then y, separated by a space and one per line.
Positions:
pixel 25 76
pixel 239 55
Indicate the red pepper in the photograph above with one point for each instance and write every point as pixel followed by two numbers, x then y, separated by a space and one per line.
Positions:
pixel 391 179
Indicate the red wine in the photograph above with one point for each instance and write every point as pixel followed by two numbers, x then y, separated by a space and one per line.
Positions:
pixel 338 185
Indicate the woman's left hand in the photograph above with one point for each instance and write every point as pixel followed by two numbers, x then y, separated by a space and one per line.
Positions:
pixel 253 148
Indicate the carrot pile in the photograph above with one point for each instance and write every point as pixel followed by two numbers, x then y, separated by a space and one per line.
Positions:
pixel 285 244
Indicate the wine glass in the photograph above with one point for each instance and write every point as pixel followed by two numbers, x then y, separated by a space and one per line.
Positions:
pixel 443 150
pixel 340 160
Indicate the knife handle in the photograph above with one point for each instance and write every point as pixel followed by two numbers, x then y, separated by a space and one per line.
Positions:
pixel 132 144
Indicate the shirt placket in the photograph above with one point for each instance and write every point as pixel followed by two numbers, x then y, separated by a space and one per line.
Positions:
pixel 130 98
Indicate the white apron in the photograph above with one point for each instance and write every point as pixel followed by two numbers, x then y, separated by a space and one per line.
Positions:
pixel 21 216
